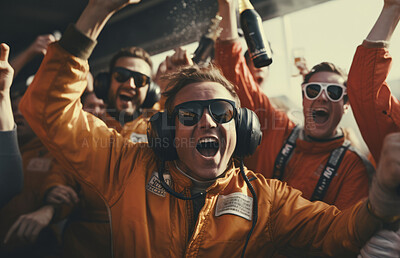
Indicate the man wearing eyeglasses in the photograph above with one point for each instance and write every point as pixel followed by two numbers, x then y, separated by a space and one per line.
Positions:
pixel 193 202
pixel 315 159
pixel 126 87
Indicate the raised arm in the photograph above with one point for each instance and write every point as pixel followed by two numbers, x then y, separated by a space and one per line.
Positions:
pixel 376 110
pixel 229 57
pixel 227 10
pixel 387 22
pixel 6 77
pixel 11 174
pixel 82 143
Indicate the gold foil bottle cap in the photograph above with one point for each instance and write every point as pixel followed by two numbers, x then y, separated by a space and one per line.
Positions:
pixel 244 5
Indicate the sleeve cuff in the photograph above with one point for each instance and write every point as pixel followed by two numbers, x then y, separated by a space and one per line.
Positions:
pixel 77 43
pixel 9 142
pixel 375 43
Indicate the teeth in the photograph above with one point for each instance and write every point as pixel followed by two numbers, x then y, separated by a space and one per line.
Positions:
pixel 321 109
pixel 206 140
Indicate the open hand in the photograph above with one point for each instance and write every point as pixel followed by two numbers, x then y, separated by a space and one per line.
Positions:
pixel 28 226
pixel 39 46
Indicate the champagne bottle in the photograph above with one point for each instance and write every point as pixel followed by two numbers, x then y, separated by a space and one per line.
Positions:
pixel 251 24
pixel 205 50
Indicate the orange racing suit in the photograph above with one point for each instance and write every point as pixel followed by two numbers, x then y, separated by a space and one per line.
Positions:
pixel 148 222
pixel 308 159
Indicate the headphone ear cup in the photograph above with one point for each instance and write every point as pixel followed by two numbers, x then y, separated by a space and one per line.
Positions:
pixel 248 133
pixel 101 86
pixel 161 136
pixel 153 95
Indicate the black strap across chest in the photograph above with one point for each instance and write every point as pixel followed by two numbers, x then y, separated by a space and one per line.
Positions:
pixel 285 153
pixel 327 174
pixel 329 171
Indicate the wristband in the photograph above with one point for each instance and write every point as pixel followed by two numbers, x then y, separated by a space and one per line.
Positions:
pixel 375 43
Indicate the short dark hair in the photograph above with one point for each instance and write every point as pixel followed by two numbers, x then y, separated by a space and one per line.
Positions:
pixel 327 67
pixel 192 74
pixel 137 52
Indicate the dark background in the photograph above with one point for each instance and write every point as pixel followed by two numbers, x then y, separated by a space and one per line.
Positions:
pixel 155 25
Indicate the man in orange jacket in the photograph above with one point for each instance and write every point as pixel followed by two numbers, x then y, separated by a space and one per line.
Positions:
pixel 87 231
pixel 148 191
pixel 315 159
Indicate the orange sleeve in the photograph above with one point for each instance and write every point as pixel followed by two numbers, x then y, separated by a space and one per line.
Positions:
pixel 84 146
pixel 309 227
pixel 275 125
pixel 376 110
pixel 57 176
pixel 233 65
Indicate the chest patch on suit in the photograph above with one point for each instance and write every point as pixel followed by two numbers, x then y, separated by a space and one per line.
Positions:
pixel 39 164
pixel 154 184
pixel 137 137
pixel 237 204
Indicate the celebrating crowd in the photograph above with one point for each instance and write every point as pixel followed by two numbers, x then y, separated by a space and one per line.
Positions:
pixel 195 160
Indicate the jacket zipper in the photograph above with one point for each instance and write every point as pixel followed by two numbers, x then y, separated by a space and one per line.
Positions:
pixel 111 230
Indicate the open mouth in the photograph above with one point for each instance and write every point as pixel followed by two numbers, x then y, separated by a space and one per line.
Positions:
pixel 320 116
pixel 208 147
pixel 125 97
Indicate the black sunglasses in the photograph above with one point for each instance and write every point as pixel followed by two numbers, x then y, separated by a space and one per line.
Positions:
pixel 121 75
pixel 334 92
pixel 221 110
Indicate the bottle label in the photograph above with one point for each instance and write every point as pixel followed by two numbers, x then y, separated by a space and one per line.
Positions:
pixel 258 52
pixel 257 44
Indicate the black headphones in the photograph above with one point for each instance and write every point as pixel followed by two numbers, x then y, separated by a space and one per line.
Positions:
pixel 161 134
pixel 102 83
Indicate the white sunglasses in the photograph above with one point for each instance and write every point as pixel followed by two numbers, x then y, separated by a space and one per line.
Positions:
pixel 334 92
